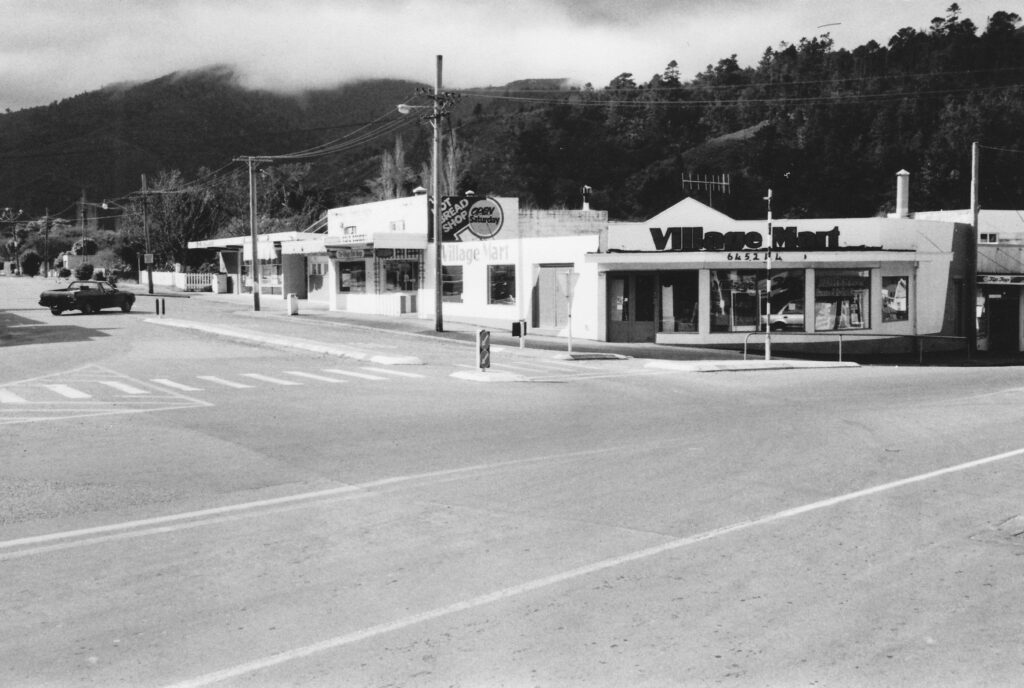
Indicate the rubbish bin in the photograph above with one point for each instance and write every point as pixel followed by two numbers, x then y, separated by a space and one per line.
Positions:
pixel 293 304
pixel 220 283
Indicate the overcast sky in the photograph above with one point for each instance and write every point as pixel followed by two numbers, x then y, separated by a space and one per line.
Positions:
pixel 54 49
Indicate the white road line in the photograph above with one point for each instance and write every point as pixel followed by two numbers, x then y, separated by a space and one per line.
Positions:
pixel 361 376
pixel 122 387
pixel 392 372
pixel 272 380
pixel 222 381
pixel 175 385
pixel 10 398
pixel 69 392
pixel 313 376
pixel 555 579
pixel 163 522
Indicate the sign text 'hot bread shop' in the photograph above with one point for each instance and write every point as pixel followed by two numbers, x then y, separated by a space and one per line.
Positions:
pixel 782 239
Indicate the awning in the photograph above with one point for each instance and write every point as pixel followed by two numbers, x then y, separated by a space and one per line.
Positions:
pixel 267 250
pixel 304 247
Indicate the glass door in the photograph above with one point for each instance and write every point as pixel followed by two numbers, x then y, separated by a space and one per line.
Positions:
pixel 631 307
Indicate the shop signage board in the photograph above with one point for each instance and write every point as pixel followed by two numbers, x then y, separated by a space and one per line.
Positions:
pixel 470 218
pixel 782 239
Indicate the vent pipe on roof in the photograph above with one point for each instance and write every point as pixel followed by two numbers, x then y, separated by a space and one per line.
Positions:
pixel 587 192
pixel 902 194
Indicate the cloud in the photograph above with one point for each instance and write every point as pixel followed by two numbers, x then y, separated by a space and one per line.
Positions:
pixel 59 48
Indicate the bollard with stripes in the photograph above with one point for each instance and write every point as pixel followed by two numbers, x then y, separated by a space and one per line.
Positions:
pixel 483 349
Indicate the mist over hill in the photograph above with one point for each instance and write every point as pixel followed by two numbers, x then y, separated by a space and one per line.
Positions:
pixel 827 129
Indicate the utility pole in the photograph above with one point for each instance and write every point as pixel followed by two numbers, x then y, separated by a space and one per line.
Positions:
pixel 435 182
pixel 768 287
pixel 254 272
pixel 145 229
pixel 46 243
pixel 971 316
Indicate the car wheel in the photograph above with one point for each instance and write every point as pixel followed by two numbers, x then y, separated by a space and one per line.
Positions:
pixel 55 310
pixel 87 309
pixel 127 306
pixel 778 327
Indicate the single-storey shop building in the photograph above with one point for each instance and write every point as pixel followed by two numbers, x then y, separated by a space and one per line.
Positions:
pixel 689 275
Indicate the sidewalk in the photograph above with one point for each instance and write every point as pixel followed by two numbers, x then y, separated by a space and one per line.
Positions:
pixel 273 326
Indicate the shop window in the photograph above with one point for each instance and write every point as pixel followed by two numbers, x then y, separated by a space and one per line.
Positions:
pixel 679 300
pixel 352 277
pixel 894 298
pixel 501 284
pixel 738 300
pixel 735 300
pixel 451 283
pixel 842 300
pixel 401 275
pixel 786 312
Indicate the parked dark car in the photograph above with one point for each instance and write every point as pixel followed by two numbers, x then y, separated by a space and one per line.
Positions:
pixel 87 296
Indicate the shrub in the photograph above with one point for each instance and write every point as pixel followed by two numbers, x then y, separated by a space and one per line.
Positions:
pixel 84 271
pixel 64 272
pixel 30 262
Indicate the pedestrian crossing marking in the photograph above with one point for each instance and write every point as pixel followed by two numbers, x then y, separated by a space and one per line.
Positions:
pixel 10 398
pixel 393 372
pixel 361 376
pixel 271 380
pixel 314 376
pixel 122 387
pixel 222 381
pixel 68 392
pixel 176 385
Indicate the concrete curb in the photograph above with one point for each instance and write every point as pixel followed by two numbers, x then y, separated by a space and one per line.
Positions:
pixel 738 366
pixel 482 376
pixel 590 357
pixel 286 342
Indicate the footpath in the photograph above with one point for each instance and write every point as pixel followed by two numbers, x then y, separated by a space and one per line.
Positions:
pixel 313 328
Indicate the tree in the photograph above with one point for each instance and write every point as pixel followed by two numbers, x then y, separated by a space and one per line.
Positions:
pixel 178 213
pixel 85 247
pixel 393 176
pixel 30 262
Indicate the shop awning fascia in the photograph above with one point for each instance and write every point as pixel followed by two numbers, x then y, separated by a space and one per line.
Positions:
pixel 695 260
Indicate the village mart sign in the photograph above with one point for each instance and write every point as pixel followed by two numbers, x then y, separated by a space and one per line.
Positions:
pixel 782 239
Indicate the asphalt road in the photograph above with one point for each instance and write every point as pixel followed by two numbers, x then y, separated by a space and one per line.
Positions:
pixel 177 509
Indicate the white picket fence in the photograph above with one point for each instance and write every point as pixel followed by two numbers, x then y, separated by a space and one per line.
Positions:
pixel 186 281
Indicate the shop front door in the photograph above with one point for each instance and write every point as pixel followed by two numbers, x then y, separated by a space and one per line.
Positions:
pixel 1004 321
pixel 631 307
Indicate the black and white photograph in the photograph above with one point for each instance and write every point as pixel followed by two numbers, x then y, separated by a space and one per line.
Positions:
pixel 539 344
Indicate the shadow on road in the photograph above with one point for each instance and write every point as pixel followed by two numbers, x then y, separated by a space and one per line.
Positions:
pixel 17 330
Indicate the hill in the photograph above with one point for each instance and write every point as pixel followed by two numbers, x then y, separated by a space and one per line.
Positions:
pixel 826 129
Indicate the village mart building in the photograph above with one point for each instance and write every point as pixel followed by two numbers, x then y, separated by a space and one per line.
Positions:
pixel 689 275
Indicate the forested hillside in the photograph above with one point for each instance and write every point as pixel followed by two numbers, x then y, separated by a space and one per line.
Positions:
pixel 826 129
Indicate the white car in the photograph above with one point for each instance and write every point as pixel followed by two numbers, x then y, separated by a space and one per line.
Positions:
pixel 789 317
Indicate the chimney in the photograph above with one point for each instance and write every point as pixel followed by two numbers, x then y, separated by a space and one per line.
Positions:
pixel 586 191
pixel 902 194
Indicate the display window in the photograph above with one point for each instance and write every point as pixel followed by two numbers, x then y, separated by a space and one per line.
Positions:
pixel 735 300
pixel 401 275
pixel 842 300
pixel 352 277
pixel 451 283
pixel 786 312
pixel 501 284
pixel 895 291
pixel 271 279
pixel 679 301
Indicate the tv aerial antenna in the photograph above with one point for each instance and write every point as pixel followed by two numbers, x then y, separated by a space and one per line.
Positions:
pixel 721 183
